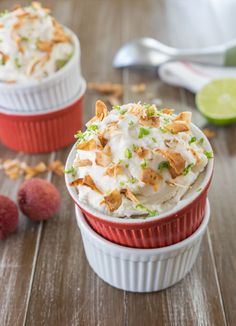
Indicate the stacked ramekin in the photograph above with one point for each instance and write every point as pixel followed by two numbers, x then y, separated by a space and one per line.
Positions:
pixel 43 116
pixel 145 255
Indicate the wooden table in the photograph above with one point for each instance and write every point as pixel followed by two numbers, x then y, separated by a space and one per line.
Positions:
pixel 44 276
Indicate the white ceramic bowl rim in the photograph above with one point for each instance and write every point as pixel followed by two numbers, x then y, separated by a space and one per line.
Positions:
pixel 32 84
pixel 183 203
pixel 83 224
pixel 51 111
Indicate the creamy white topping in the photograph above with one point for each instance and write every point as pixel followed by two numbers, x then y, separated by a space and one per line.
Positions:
pixel 125 139
pixel 33 45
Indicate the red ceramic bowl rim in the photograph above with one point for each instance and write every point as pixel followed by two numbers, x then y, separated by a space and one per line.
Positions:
pixel 83 224
pixel 42 115
pixel 35 84
pixel 163 217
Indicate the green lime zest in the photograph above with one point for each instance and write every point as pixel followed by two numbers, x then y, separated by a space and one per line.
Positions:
pixel 92 128
pixel 128 153
pixel 143 164
pixel 163 165
pixel 209 154
pixel 146 210
pixel 187 169
pixel 192 140
pixel 17 63
pixel 163 130
pixel 143 132
pixel 70 170
pixel 132 180
pixel 116 107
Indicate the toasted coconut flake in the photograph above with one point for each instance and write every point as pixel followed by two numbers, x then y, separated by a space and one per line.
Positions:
pixel 21 13
pixel 102 139
pixel 151 177
pixel 171 143
pixel 77 182
pixel 142 152
pixel 114 170
pixel 183 116
pixel 86 181
pixel 12 168
pixel 113 200
pixel 107 150
pixel 17 25
pixel 59 35
pixel 107 88
pixel 32 171
pixel 139 88
pixel 44 46
pixel 209 133
pixel 101 110
pixel 136 110
pixel 176 161
pixel 196 155
pixel 167 111
pixel 31 67
pixel 10 81
pixel 85 162
pixel 128 194
pixel 44 59
pixel 150 121
pixel 36 5
pixel 102 159
pixel 18 43
pixel 177 126
pixel 88 145
pixel 4 56
pixel 56 167
pixel 111 127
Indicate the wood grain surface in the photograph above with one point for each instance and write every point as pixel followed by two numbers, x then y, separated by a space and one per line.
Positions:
pixel 44 276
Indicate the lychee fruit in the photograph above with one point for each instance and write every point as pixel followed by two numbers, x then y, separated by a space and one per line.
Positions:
pixel 8 216
pixel 38 199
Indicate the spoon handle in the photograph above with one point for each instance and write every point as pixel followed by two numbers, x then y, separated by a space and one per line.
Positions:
pixel 222 55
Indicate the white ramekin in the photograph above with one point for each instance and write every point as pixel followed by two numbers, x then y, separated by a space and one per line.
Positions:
pixel 53 91
pixel 140 270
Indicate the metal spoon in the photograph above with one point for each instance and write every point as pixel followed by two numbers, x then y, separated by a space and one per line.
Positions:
pixel 148 52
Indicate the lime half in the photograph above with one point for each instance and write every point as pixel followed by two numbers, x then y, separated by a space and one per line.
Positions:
pixel 217 101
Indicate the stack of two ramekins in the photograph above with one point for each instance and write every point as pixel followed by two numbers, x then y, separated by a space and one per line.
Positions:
pixel 145 255
pixel 42 116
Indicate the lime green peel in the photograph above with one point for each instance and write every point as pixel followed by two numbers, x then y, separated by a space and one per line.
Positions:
pixel 217 101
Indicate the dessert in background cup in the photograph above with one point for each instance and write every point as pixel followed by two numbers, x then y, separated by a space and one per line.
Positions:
pixel 143 169
pixel 42 132
pixel 39 60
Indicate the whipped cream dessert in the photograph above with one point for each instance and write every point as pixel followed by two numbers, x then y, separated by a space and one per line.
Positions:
pixel 33 45
pixel 136 160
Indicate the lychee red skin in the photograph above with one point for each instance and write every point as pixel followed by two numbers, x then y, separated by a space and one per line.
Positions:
pixel 38 199
pixel 8 216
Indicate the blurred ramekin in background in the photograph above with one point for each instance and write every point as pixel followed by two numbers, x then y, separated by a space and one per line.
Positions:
pixel 48 94
pixel 43 132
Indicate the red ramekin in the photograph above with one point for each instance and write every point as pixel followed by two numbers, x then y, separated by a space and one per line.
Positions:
pixel 42 132
pixel 163 230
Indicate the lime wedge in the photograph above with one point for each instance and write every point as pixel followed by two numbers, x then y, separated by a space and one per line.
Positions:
pixel 217 101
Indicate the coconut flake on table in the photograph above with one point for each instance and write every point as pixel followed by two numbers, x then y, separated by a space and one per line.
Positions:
pixel 151 155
